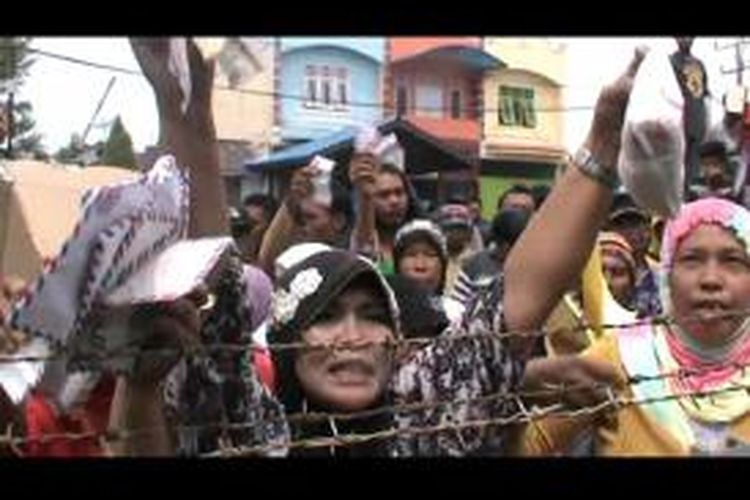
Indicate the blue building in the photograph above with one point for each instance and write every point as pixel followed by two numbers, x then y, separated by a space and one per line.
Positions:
pixel 328 83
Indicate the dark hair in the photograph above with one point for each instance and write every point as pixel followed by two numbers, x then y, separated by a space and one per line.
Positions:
pixel 413 209
pixel 516 189
pixel 341 202
pixel 508 225
pixel 540 193
pixel 713 148
pixel 266 201
pixel 239 223
pixel 421 315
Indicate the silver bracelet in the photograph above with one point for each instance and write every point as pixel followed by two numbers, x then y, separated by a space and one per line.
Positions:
pixel 590 166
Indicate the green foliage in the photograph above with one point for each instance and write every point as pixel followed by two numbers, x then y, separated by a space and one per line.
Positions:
pixel 15 62
pixel 72 152
pixel 118 150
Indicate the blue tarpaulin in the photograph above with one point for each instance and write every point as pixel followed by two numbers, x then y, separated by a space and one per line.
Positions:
pixel 424 152
pixel 301 154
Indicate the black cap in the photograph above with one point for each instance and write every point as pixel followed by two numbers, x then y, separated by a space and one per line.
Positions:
pixel 304 291
pixel 713 148
pixel 624 206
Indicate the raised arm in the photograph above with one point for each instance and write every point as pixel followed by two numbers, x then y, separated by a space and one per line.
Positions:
pixel 280 233
pixel 138 404
pixel 552 251
pixel 190 137
pixel 362 171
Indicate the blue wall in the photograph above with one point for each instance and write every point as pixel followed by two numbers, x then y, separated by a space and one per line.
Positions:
pixel 373 47
pixel 299 122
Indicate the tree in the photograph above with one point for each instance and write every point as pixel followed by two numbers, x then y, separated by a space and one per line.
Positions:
pixel 118 150
pixel 15 62
pixel 72 152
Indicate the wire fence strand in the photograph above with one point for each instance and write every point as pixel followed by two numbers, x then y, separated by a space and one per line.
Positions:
pixel 64 351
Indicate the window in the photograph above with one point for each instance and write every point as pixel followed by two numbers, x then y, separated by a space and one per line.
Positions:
pixel 343 98
pixel 401 100
pixel 326 92
pixel 326 87
pixel 311 85
pixel 456 104
pixel 429 99
pixel 517 107
pixel 342 88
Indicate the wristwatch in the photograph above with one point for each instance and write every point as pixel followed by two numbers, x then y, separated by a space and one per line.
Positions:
pixel 588 164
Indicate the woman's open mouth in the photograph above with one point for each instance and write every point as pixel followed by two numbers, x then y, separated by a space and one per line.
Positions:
pixel 352 371
pixel 710 309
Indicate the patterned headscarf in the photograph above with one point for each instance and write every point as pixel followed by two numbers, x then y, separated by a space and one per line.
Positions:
pixel 613 242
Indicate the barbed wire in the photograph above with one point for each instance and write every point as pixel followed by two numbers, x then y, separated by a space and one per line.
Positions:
pixel 64 351
pixel 523 416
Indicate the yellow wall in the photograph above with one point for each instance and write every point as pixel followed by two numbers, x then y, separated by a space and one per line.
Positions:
pixel 532 63
pixel 244 116
pixel 539 55
pixel 549 125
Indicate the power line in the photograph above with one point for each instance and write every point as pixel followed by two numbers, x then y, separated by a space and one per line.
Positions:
pixel 280 95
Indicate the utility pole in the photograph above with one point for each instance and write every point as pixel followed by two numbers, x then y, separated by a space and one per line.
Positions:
pixel 744 139
pixel 739 60
pixel 98 108
pixel 11 74
pixel 11 126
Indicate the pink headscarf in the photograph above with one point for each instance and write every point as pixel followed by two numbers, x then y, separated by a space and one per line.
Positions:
pixel 728 215
pixel 688 354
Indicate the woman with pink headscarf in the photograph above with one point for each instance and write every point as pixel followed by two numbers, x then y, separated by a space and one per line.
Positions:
pixel 691 372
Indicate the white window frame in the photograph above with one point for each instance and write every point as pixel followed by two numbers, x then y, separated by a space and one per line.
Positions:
pixel 311 81
pixel 334 78
pixel 341 80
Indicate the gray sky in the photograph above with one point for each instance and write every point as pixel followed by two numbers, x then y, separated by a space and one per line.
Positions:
pixel 65 95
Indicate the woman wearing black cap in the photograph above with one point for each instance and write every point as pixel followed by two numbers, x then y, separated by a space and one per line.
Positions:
pixel 354 369
pixel 339 303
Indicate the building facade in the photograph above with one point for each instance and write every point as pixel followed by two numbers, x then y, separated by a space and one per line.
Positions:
pixel 523 118
pixel 243 106
pixel 328 83
pixel 436 83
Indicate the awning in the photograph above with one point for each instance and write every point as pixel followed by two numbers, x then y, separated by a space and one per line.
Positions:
pixel 472 57
pixel 301 154
pixel 423 152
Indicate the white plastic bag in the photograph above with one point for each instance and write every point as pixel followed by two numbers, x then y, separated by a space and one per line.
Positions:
pixel 651 163
pixel 385 148
pixel 322 181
